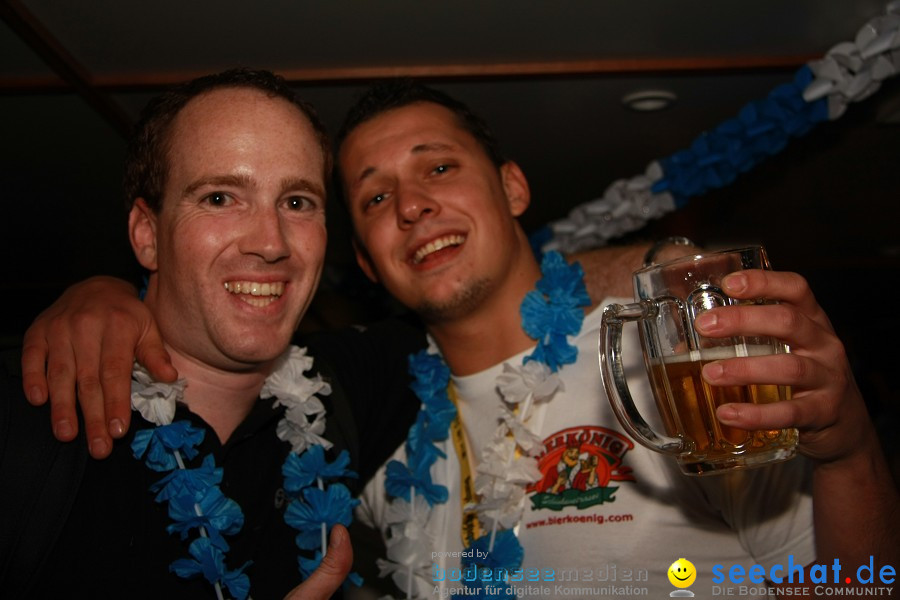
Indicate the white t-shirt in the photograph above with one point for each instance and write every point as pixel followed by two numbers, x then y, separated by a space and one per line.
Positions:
pixel 615 532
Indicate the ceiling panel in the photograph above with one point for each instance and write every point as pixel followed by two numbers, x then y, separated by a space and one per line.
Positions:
pixel 116 37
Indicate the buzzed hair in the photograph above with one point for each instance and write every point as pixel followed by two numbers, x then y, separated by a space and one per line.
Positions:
pixel 398 93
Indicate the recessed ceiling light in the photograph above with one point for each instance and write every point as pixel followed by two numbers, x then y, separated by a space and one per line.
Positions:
pixel 649 100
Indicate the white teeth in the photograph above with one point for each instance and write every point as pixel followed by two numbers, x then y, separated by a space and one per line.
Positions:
pixel 258 302
pixel 266 292
pixel 435 245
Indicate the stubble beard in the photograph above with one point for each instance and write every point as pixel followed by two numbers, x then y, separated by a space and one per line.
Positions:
pixel 460 304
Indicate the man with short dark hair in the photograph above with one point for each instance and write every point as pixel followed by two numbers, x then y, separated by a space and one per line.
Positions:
pixel 226 179
pixel 511 396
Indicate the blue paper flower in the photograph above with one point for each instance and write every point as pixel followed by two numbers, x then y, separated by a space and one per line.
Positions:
pixel 439 411
pixel 400 478
pixel 540 317
pixel 553 311
pixel 188 482
pixel 209 561
pixel 160 443
pixel 331 506
pixel 555 351
pixel 430 376
pixel 303 470
pixel 217 514
pixel 561 282
pixel 430 427
pixel 507 552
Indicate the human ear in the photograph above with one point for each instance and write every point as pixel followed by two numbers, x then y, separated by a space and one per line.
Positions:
pixel 142 233
pixel 518 194
pixel 364 261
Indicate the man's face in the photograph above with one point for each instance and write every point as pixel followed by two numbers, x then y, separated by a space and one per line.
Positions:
pixel 239 242
pixel 433 214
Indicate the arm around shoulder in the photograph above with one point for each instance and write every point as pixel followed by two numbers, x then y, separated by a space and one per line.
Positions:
pixel 86 342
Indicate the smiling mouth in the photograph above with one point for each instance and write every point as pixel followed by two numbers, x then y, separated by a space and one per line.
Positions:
pixel 433 246
pixel 255 293
pixel 679 578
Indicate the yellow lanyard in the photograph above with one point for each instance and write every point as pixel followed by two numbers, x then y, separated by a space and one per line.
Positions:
pixel 471 526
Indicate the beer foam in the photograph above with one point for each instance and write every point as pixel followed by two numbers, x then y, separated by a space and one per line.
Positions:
pixel 720 353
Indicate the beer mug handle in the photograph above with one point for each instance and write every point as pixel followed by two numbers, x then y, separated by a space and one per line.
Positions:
pixel 613 369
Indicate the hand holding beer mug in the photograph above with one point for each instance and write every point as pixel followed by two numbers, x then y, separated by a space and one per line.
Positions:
pixel 669 297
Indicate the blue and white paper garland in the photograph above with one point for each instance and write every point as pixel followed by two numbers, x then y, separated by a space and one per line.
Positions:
pixel 820 91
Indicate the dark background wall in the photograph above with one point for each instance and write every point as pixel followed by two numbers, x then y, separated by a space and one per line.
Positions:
pixel 549 81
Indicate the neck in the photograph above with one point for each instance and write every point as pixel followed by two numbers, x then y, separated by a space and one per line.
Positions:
pixel 221 398
pixel 492 332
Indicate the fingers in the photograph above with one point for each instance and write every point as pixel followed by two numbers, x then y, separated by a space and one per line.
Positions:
pixel 116 395
pixel 115 368
pixel 61 388
pixel 825 405
pixel 807 336
pixel 779 369
pixel 335 566
pixel 34 367
pixel 775 320
pixel 776 285
pixel 85 343
pixel 813 406
pixel 151 353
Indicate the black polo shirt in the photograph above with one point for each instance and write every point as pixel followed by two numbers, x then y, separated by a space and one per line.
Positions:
pixel 112 540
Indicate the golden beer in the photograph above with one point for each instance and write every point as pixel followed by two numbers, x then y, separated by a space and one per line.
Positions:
pixel 687 405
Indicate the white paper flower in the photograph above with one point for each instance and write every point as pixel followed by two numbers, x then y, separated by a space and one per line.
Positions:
pixel 401 575
pixel 507 511
pixel 154 400
pixel 529 442
pixel 290 387
pixel 301 433
pixel 410 550
pixel 304 416
pixel 401 511
pixel 309 405
pixel 533 379
pixel 499 460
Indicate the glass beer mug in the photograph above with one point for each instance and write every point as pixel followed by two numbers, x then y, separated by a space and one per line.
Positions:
pixel 669 296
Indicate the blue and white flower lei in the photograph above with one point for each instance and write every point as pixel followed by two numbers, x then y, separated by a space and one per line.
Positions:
pixel 195 501
pixel 550 314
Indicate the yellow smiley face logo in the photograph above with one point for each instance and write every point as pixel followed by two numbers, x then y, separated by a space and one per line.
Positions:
pixel 682 573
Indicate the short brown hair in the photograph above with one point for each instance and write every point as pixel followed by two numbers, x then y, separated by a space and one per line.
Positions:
pixel 146 160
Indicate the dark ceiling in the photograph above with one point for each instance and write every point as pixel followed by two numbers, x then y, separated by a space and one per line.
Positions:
pixel 548 76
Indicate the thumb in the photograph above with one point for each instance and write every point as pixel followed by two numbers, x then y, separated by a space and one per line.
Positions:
pixel 330 574
pixel 151 353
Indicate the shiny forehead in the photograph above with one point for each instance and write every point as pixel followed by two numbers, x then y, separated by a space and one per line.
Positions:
pixel 426 127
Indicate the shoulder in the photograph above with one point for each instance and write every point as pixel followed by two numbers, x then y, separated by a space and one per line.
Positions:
pixel 20 420
pixel 384 340
pixel 44 473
